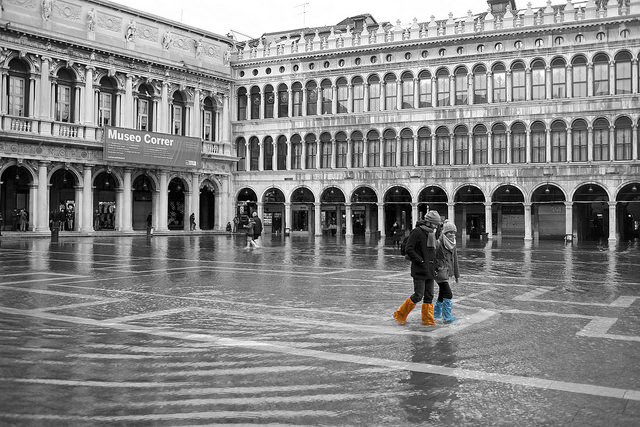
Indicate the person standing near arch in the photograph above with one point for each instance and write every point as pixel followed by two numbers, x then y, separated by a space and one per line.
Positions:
pixel 257 229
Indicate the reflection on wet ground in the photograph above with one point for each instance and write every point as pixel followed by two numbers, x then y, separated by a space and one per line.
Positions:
pixel 197 330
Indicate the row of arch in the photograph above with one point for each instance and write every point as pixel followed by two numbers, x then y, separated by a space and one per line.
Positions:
pixel 611 140
pixel 488 83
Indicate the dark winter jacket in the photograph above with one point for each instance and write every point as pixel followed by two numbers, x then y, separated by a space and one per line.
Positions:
pixel 446 259
pixel 421 250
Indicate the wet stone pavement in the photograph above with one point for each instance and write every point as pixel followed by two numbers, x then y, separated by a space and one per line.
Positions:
pixel 197 330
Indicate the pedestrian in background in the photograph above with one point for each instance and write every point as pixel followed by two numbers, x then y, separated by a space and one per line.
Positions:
pixel 23 220
pixel 251 243
pixel 395 232
pixel 257 229
pixel 421 246
pixel 446 267
pixel 192 221
pixel 1 223
pixel 235 224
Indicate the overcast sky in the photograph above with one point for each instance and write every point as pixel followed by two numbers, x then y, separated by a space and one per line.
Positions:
pixel 256 17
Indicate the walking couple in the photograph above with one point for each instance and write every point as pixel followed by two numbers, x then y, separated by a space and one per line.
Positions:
pixel 434 259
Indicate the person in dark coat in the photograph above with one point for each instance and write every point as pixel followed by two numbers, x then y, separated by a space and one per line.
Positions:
pixel 257 229
pixel 421 246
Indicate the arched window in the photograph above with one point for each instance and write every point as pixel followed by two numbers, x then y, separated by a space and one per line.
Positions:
pixel 461 146
pixel 283 101
pixel 374 93
pixel 443 145
pixel 18 90
pixel 390 148
pixel 424 147
pixel 255 103
pixel 579 138
pixel 444 98
pixel 296 152
pixel 357 150
pixel 242 103
pixel 406 148
pixel 391 92
pixel 407 90
pixel 538 143
pixel 106 102
pixel 254 153
pixel 480 85
pixel 267 158
pixel 499 83
pixel 178 114
pixel 538 80
pixel 296 88
pixel 341 150
pixel 558 141
pixel 241 153
pixel 558 79
pixel 601 139
pixel 480 145
pixel 327 96
pixel 518 82
pixel 462 93
pixel 425 89
pixel 312 98
pixel 269 101
pixel 358 94
pixel 623 73
pixel 518 143
pixel 373 149
pixel 499 144
pixel 208 120
pixel 579 77
pixel 65 96
pixel 600 75
pixel 325 150
pixel 144 110
pixel 311 146
pixel 282 153
pixel 623 140
pixel 343 96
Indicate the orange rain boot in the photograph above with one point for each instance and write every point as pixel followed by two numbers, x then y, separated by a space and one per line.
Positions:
pixel 427 314
pixel 403 311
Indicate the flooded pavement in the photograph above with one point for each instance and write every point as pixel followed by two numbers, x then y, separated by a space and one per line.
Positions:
pixel 197 330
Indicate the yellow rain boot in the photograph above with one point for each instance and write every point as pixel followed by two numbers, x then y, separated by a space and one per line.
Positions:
pixel 403 311
pixel 427 314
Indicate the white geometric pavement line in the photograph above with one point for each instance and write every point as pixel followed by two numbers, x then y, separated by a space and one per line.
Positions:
pixel 82 304
pixel 344 270
pixel 392 276
pixel 19 282
pixel 35 273
pixel 598 328
pixel 56 293
pixel 470 374
pixel 150 314
pixel 531 296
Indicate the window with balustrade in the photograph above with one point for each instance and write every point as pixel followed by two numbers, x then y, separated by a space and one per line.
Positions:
pixel 499 144
pixel 407 90
pixel 269 102
pixel 178 114
pixel 518 143
pixel 65 97
pixel 281 155
pixel 374 93
pixel 461 145
pixel 480 145
pixel 480 85
pixel 443 84
pixel 341 150
pixel 499 76
pixel 558 141
pixel 267 158
pixel 579 77
pixel 390 148
pixel 241 153
pixel 296 152
pixel 296 88
pixel 538 80
pixel 579 141
pixel 623 140
pixel 144 112
pixel 357 150
pixel 461 86
pixel 518 82
pixel 358 94
pixel 538 143
pixel 558 78
pixel 443 146
pixel 242 103
pixel 254 154
pixel 325 150
pixel 623 73
pixel 391 92
pixel 601 75
pixel 373 149
pixel 312 98
pixel 406 147
pixel 283 101
pixel 424 147
pixel 311 146
pixel 255 103
pixel 600 139
pixel 327 96
pixel 18 89
pixel 106 102
pixel 425 86
pixel 343 95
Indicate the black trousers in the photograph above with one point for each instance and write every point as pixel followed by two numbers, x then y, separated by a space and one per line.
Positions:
pixel 445 291
pixel 422 290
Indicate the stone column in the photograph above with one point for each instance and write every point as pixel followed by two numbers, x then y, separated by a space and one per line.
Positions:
pixel 416 154
pixel 489 148
pixel 87 200
pixel 45 98
pixel 509 84
pixel 381 219
pixel 612 222
pixel 89 97
pixel 261 156
pixel 489 87
pixel 414 214
pixel 569 84
pixel 547 144
pixel 163 205
pixel 333 153
pixel 287 216
pixel 127 120
pixel 547 88
pixel 589 79
pixel 569 145
pixel 590 143
pixel 527 83
pixel 488 218
pixel 274 157
pixel 349 153
pixel 451 212
pixel 508 147
pixel 43 197
pixel 195 197
pixel 634 138
pixel 127 201
pixel 349 221
pixel 317 225
pixel 527 222
pixel 568 218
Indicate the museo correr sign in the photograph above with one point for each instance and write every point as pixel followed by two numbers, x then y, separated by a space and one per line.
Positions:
pixel 150 148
